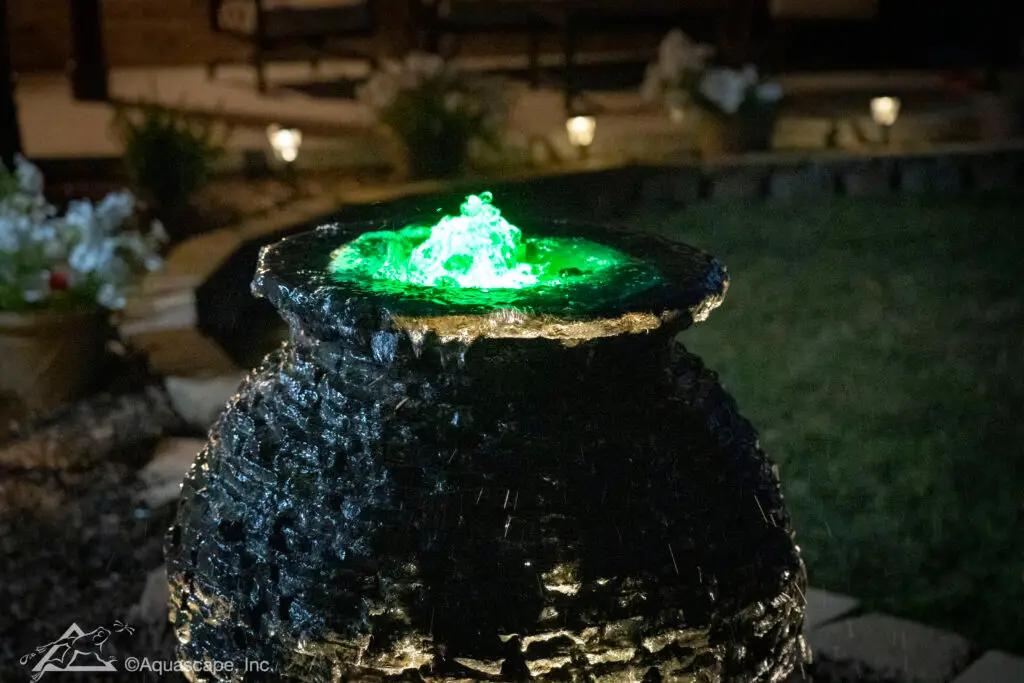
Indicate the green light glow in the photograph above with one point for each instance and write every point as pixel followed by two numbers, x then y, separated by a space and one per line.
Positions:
pixel 477 249
pixel 479 253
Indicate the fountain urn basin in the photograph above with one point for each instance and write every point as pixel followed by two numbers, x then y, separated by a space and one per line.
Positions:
pixel 428 484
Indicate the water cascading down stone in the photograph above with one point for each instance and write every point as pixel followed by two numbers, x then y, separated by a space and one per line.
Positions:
pixel 484 456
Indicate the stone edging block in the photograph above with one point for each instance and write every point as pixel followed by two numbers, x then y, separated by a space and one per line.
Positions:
pixel 994 667
pixel 824 607
pixel 878 647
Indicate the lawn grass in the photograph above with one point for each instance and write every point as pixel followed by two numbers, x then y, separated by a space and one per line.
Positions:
pixel 878 345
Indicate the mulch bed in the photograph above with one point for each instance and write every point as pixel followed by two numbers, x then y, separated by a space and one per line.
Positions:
pixel 75 544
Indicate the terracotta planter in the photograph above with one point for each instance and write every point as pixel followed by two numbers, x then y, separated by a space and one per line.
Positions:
pixel 48 358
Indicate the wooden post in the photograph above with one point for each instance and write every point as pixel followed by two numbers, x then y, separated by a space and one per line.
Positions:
pixel 89 61
pixel 10 135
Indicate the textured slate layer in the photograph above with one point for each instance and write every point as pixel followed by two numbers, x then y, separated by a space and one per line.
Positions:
pixel 379 504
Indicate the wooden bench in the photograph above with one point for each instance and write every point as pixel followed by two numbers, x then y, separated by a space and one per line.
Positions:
pixel 273 25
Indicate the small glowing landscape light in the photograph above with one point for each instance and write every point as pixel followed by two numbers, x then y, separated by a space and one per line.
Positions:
pixel 285 142
pixel 884 112
pixel 580 130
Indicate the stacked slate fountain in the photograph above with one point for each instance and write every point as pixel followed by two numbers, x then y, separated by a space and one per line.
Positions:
pixel 428 491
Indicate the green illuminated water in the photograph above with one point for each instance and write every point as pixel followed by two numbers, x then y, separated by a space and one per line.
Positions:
pixel 479 257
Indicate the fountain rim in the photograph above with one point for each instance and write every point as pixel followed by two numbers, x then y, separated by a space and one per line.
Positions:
pixel 292 274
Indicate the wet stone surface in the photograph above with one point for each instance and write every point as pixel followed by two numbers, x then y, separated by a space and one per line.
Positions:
pixel 384 502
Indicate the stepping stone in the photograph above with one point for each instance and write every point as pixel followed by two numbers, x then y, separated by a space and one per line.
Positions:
pixel 994 667
pixel 182 351
pixel 825 606
pixel 200 400
pixel 880 647
pixel 163 475
pixel 152 605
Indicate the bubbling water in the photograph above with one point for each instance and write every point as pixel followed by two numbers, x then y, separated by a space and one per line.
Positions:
pixel 479 252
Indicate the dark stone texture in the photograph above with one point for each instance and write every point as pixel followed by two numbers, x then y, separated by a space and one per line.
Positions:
pixel 867 179
pixel 801 182
pixel 577 502
pixel 740 182
pixel 949 176
pixel 672 188
pixel 916 176
pixel 994 172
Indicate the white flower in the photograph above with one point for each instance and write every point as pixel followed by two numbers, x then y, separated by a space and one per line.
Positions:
pixel 92 256
pixel 157 235
pixel 35 286
pixel 114 210
pixel 423 93
pixel 678 54
pixel 89 244
pixel 80 219
pixel 651 88
pixel 111 296
pixel 769 92
pixel 9 234
pixel 680 62
pixel 30 178
pixel 726 88
pixel 749 75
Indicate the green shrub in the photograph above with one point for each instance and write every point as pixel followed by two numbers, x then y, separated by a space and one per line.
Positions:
pixel 168 154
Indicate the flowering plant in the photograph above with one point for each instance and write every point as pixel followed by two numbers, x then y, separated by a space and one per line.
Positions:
pixel 436 110
pixel 729 92
pixel 674 76
pixel 82 259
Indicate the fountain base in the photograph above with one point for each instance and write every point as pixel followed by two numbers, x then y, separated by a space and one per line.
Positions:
pixel 388 498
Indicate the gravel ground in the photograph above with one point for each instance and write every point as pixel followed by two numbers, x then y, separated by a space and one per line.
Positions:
pixel 75 545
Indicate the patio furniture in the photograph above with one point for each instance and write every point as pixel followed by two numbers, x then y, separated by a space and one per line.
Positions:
pixel 574 17
pixel 272 25
pixel 457 18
